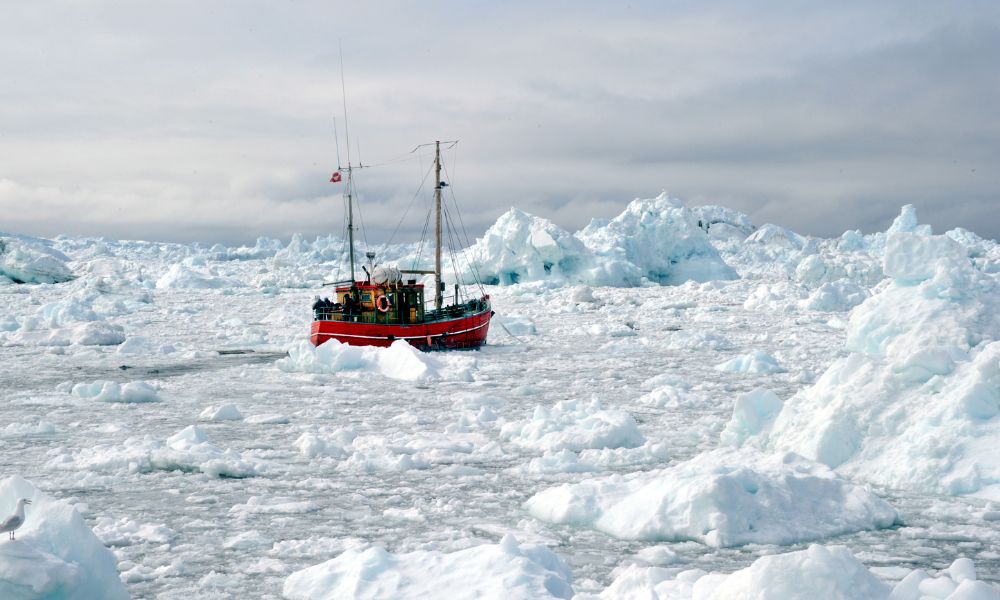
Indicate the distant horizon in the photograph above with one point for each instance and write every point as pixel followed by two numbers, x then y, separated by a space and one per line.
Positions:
pixel 286 239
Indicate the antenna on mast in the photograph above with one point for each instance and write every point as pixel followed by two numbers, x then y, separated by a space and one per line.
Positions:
pixel 350 183
pixel 343 92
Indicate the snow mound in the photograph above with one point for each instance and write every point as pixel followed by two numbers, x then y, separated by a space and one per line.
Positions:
pixel 574 425
pixel 816 573
pixel 23 262
pixel 109 391
pixel 55 555
pixel 504 571
pixel 721 498
pixel 186 450
pixel 756 362
pixel 399 361
pixel 656 239
pixel 917 402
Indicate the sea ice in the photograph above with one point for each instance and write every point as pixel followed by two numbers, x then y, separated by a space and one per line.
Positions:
pixel 186 450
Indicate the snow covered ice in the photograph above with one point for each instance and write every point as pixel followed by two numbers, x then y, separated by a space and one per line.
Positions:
pixel 680 404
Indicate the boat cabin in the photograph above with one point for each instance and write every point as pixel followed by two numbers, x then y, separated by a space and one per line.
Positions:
pixel 365 302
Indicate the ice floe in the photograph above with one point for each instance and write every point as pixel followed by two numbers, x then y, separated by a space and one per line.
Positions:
pixel 399 361
pixel 504 571
pixel 720 498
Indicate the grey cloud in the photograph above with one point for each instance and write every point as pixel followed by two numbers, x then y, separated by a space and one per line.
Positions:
pixel 817 118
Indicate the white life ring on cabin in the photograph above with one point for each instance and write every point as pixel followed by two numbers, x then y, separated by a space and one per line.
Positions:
pixel 382 304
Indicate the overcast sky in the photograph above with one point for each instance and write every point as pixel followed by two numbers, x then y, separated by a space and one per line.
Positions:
pixel 214 121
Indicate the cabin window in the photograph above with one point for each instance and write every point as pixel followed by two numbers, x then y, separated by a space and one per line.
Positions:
pixel 366 297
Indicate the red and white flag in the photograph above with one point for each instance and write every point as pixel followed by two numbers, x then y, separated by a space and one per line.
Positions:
pixel 336 177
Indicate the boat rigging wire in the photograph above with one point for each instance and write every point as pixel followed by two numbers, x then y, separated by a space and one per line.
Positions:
pixel 412 200
pixel 468 242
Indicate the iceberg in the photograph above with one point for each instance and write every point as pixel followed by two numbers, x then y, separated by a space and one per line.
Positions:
pixel 24 262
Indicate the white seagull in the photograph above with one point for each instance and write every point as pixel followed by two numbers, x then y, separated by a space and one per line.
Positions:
pixel 14 521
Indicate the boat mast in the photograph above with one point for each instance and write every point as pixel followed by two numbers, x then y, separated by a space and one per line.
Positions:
pixel 350 222
pixel 437 226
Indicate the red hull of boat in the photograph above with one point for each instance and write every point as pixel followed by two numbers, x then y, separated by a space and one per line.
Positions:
pixel 464 332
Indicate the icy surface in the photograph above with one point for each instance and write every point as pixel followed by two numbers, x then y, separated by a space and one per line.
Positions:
pixel 340 449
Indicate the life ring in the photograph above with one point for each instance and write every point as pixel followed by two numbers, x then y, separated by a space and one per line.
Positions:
pixel 382 304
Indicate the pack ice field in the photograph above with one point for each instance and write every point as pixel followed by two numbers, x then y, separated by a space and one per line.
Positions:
pixel 674 403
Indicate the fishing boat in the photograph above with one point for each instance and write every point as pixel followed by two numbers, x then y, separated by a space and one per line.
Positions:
pixel 390 304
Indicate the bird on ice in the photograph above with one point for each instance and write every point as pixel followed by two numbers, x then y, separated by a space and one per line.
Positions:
pixel 14 521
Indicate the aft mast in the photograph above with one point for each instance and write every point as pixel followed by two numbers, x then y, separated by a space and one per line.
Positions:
pixel 438 286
